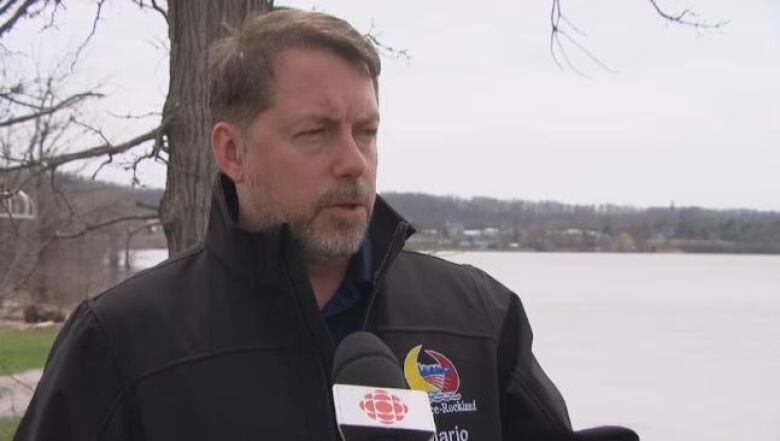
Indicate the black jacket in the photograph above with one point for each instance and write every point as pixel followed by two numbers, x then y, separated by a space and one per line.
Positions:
pixel 226 342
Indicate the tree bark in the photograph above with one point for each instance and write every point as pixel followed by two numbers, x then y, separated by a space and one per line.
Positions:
pixel 192 26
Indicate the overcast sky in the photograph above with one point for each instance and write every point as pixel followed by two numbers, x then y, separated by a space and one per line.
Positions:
pixel 480 108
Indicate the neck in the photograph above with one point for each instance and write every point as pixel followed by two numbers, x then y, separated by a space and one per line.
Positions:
pixel 325 278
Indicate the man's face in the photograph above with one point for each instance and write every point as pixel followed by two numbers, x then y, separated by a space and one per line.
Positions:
pixel 311 157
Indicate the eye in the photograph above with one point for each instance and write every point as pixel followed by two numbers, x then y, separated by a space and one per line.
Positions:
pixel 312 133
pixel 366 134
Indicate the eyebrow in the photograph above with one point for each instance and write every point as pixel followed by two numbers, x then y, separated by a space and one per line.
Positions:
pixel 371 118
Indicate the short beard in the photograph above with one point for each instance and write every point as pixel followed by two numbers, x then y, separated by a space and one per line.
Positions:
pixel 344 239
pixel 338 239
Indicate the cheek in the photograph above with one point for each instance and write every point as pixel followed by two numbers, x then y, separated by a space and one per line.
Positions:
pixel 296 182
pixel 372 169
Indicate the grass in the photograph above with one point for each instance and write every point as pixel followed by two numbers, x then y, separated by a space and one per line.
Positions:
pixel 8 428
pixel 21 351
pixel 24 350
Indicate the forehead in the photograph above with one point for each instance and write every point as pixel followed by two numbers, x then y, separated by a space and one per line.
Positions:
pixel 307 80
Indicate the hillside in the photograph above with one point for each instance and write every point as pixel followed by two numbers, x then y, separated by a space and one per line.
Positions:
pixel 481 222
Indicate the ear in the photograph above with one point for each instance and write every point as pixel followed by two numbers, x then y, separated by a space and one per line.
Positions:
pixel 227 145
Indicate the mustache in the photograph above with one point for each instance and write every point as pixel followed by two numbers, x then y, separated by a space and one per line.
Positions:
pixel 344 192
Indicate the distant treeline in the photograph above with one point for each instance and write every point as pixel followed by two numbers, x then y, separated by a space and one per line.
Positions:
pixel 479 222
pixel 553 226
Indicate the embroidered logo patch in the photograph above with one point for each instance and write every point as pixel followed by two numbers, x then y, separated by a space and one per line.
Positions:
pixel 436 374
pixel 440 378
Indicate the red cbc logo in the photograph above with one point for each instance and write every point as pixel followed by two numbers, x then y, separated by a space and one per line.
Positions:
pixel 384 406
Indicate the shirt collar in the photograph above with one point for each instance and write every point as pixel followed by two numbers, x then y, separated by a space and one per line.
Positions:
pixel 356 284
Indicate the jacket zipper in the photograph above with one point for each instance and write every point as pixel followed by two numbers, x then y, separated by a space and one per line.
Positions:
pixel 324 378
pixel 396 243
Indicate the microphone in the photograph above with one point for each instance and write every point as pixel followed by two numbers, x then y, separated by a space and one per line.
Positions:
pixel 370 395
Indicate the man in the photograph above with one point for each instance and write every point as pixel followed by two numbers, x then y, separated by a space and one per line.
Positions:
pixel 235 338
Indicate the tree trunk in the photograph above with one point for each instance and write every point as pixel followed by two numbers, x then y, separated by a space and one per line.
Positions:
pixel 192 26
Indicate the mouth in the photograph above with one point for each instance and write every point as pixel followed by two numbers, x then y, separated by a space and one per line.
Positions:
pixel 348 208
pixel 350 204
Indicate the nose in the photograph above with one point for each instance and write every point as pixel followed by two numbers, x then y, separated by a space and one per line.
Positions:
pixel 350 158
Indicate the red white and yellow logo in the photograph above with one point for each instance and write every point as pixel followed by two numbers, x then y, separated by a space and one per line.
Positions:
pixel 439 378
pixel 432 372
pixel 384 407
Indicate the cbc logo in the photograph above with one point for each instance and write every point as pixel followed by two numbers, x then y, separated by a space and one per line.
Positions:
pixel 384 406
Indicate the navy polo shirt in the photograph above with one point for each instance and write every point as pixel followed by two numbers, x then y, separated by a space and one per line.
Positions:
pixel 342 314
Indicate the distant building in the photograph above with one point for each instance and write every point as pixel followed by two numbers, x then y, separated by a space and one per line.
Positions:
pixel 19 206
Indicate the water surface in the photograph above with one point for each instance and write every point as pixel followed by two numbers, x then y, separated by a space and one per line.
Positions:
pixel 679 347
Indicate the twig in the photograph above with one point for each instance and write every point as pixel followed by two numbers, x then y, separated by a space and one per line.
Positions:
pixel 44 164
pixel 60 194
pixel 92 227
pixel 21 11
pixel 91 34
pixel 153 4
pixel 135 116
pixel 88 228
pixel 133 232
pixel 681 18
pixel 389 50
pixel 558 20
pixel 45 111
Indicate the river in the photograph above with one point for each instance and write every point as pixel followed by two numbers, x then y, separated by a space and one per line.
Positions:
pixel 679 347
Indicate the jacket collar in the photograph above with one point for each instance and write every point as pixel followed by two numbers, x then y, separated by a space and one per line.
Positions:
pixel 264 252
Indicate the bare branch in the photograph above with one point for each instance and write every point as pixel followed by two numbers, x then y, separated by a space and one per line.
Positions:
pixel 91 34
pixel 159 9
pixel 21 12
pixel 687 18
pixel 585 51
pixel 153 4
pixel 60 194
pixel 135 116
pixel 88 228
pixel 557 22
pixel 93 130
pixel 93 227
pixel 373 37
pixel 13 95
pixel 5 7
pixel 133 232
pixel 566 59
pixel 158 147
pixel 560 25
pixel 44 111
pixel 53 162
pixel 108 160
pixel 50 23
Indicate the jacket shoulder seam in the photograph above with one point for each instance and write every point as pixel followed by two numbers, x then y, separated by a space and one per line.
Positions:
pixel 167 262
pixel 180 362
pixel 197 358
pixel 115 358
pixel 93 310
